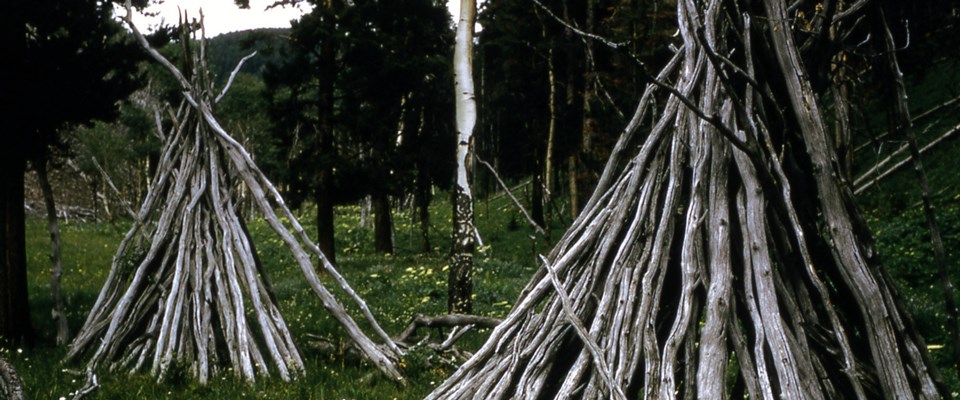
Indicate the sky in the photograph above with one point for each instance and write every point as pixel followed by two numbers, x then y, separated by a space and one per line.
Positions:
pixel 222 16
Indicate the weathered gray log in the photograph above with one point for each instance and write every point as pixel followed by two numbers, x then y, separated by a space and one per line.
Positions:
pixel 874 175
pixel 444 321
pixel 11 386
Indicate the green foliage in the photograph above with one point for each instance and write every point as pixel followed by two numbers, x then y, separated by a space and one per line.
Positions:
pixel 76 63
pixel 514 60
pixel 224 51
pixel 87 251
pixel 900 191
pixel 119 147
pixel 364 89
pixel 894 210
pixel 904 244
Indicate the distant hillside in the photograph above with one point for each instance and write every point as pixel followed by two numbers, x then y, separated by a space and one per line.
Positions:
pixel 227 49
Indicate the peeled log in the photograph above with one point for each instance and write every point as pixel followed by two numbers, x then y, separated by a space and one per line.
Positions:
pixel 720 257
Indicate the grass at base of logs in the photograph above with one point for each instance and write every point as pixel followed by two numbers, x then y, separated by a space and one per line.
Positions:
pixel 395 286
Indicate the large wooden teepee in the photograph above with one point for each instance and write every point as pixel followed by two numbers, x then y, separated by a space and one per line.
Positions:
pixel 722 256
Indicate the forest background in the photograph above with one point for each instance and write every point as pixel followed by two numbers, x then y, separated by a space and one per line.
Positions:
pixel 551 103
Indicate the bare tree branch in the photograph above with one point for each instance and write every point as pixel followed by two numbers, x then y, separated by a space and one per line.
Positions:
pixel 445 321
pixel 233 75
pixel 516 202
pixel 872 177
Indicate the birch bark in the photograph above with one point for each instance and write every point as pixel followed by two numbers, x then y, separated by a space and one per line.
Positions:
pixel 460 281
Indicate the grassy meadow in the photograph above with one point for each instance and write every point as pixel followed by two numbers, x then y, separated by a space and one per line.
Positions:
pixel 395 286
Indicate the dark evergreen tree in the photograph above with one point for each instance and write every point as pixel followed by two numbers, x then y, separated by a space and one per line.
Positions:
pixel 573 93
pixel 382 62
pixel 300 94
pixel 67 63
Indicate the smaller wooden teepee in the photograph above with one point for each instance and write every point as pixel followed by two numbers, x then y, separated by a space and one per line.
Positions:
pixel 185 284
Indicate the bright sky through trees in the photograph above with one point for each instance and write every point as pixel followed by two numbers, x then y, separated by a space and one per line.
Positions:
pixel 222 16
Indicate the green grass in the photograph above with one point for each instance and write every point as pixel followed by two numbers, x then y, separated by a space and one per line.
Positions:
pixel 904 245
pixel 895 215
pixel 395 286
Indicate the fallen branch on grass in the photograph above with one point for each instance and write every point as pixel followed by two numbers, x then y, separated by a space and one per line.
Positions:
pixel 516 202
pixel 445 321
pixel 862 184
pixel 461 324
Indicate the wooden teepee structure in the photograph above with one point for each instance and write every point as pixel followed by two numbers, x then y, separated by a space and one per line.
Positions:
pixel 721 256
pixel 185 284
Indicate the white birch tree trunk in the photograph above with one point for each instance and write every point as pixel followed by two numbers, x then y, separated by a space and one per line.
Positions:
pixel 460 284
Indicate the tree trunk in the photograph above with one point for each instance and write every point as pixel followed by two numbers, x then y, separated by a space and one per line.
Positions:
pixel 693 270
pixel 548 162
pixel 323 195
pixel 574 123
pixel 365 210
pixel 56 271
pixel 536 198
pixel 588 158
pixel 325 227
pixel 581 98
pixel 902 127
pixel 573 169
pixel 382 224
pixel 460 281
pixel 422 199
pixel 15 325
